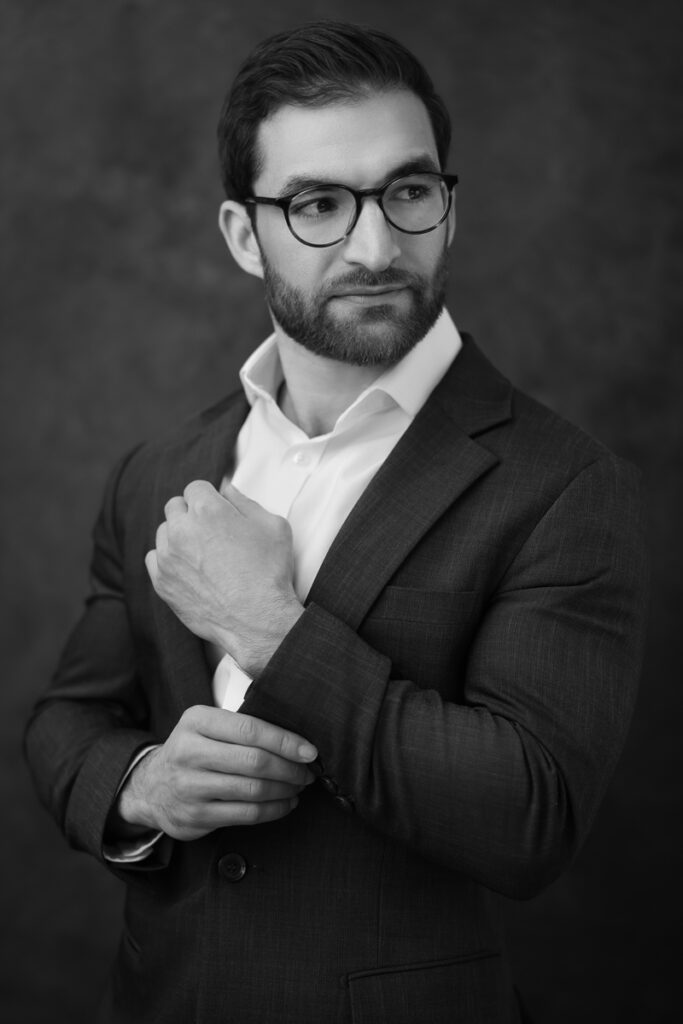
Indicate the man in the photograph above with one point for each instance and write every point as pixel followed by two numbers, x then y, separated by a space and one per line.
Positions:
pixel 362 642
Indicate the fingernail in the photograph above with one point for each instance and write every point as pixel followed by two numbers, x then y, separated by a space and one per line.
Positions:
pixel 307 752
pixel 293 802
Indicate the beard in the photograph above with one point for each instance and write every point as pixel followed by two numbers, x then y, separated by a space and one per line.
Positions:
pixel 374 335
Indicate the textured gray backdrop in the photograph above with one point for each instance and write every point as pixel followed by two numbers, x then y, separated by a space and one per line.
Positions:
pixel 122 312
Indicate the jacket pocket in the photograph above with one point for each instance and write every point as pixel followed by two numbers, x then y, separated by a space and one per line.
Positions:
pixel 466 990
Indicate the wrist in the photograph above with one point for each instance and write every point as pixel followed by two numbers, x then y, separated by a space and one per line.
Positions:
pixel 255 653
pixel 133 809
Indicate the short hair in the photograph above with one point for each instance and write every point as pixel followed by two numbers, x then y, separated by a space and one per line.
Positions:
pixel 313 65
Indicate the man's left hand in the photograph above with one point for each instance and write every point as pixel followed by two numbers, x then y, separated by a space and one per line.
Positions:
pixel 224 565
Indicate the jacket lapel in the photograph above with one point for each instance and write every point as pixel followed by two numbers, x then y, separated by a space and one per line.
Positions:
pixel 435 461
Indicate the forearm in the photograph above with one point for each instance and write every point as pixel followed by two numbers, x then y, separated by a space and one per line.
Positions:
pixel 78 753
pixel 494 763
pixel 462 786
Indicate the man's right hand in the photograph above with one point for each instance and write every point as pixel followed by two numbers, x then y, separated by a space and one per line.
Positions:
pixel 217 768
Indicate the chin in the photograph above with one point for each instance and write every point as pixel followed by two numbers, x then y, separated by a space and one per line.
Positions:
pixel 373 317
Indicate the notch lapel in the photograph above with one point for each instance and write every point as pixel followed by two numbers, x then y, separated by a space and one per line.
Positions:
pixel 434 462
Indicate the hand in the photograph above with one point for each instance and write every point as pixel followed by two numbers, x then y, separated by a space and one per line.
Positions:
pixel 217 768
pixel 224 566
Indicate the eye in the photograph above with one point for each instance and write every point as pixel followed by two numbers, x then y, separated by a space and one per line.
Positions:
pixel 315 205
pixel 412 192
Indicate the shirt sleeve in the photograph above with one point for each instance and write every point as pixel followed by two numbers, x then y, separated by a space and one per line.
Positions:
pixel 230 684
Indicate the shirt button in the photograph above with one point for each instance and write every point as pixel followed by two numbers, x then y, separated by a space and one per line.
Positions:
pixel 300 459
pixel 232 867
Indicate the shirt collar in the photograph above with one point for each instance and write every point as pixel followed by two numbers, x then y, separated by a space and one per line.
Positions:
pixel 408 384
pixel 411 381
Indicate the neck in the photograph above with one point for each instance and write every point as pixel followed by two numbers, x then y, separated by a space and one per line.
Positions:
pixel 317 390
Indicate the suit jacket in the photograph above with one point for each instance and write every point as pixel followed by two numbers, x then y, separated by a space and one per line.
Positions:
pixel 466 665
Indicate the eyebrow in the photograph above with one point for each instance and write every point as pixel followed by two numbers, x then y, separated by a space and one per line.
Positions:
pixel 299 182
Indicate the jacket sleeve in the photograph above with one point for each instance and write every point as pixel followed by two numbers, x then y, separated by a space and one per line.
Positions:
pixel 504 785
pixel 91 721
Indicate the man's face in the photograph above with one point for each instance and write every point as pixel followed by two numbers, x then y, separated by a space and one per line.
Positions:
pixel 371 297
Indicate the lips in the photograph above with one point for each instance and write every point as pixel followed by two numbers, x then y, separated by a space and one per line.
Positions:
pixel 378 290
pixel 368 295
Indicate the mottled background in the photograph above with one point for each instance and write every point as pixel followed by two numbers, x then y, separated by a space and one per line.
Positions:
pixel 122 312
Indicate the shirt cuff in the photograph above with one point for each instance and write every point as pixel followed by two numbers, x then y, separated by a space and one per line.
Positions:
pixel 230 684
pixel 130 851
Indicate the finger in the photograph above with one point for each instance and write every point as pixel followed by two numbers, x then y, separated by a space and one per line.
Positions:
pixel 221 814
pixel 152 566
pixel 200 787
pixel 175 507
pixel 199 494
pixel 161 539
pixel 247 731
pixel 230 759
pixel 251 509
pixel 239 501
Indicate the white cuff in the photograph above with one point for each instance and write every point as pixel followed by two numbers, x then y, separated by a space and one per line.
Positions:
pixel 230 684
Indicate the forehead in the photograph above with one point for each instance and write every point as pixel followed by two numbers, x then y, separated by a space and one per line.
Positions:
pixel 356 143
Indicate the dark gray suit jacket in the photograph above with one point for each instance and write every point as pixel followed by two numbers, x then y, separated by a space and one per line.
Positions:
pixel 466 666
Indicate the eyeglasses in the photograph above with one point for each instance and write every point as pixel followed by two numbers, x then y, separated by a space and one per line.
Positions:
pixel 323 215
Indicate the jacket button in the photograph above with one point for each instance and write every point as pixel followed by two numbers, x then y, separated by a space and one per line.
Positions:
pixel 329 784
pixel 232 867
pixel 345 803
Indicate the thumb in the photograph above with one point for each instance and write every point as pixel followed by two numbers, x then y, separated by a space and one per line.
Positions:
pixel 240 502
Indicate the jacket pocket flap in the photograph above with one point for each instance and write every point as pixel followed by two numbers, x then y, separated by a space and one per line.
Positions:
pixel 469 990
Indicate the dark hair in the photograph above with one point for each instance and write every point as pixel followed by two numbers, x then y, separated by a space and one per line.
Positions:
pixel 315 64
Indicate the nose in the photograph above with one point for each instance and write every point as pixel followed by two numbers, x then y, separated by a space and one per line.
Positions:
pixel 372 242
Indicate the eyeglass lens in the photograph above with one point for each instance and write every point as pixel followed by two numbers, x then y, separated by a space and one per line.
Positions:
pixel 323 214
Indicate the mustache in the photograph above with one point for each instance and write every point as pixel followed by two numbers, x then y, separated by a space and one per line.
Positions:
pixel 363 278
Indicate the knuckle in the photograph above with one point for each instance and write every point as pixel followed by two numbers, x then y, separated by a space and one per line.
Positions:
pixel 190 814
pixel 177 817
pixel 198 494
pixel 246 730
pixel 173 527
pixel 250 813
pixel 255 789
pixel 191 489
pixel 193 716
pixel 284 744
pixel 254 759
pixel 188 716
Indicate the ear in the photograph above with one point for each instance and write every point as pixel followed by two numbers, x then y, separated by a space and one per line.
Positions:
pixel 450 222
pixel 237 230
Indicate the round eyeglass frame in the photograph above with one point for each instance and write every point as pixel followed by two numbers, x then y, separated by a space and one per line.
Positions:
pixel 449 180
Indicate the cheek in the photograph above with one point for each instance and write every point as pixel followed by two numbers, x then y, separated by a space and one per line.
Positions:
pixel 422 258
pixel 300 266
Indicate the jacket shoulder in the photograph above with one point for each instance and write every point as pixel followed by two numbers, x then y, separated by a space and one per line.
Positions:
pixel 194 449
